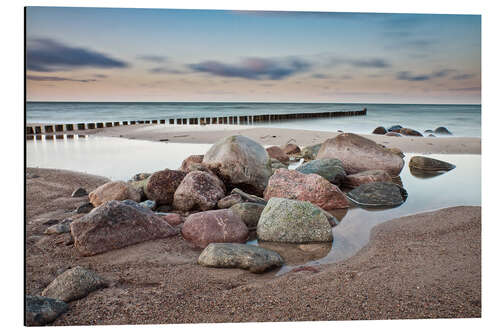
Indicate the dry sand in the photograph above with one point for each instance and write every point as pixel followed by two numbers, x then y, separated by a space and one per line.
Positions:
pixel 281 136
pixel 422 266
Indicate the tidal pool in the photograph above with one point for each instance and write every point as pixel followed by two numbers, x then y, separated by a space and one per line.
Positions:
pixel 120 159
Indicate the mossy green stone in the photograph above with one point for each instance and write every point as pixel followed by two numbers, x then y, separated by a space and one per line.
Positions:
pixel 293 221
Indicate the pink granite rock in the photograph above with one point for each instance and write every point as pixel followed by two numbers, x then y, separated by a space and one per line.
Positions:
pixel 294 185
pixel 117 224
pixel 214 226
pixel 360 154
pixel 198 190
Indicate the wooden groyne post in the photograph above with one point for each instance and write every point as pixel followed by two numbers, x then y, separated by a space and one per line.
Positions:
pixel 58 130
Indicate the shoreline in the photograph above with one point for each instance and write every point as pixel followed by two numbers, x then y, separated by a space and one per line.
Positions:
pixel 405 271
pixel 282 136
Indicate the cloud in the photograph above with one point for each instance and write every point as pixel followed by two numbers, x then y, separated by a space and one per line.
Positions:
pixel 164 70
pixel 408 76
pixel 57 78
pixel 254 68
pixel 48 55
pixel 463 76
pixel 153 58
pixel 362 63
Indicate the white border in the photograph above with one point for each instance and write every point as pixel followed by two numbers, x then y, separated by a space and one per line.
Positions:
pixel 12 149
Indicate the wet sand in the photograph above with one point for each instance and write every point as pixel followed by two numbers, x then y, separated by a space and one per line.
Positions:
pixel 281 136
pixel 421 266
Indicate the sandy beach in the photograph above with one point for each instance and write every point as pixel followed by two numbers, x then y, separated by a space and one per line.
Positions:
pixel 422 266
pixel 282 136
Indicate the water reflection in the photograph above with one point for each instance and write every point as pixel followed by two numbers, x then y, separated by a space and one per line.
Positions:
pixel 115 158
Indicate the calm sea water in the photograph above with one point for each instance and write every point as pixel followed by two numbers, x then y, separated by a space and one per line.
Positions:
pixel 462 120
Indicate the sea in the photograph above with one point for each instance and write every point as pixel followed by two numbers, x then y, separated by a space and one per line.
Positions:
pixel 462 120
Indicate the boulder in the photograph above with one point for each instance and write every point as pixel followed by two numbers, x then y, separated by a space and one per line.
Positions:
pixel 292 184
pixel 442 130
pixel 291 148
pixel 410 132
pixel 117 190
pixel 240 162
pixel 161 186
pixel 428 131
pixel 198 190
pixel 249 197
pixel 395 128
pixel 359 154
pixel 278 154
pixel 253 258
pixel 392 134
pixel 190 160
pixel 42 310
pixel 214 226
pixel 429 164
pixel 380 194
pixel 431 135
pixel 379 130
pixel 293 221
pixel 229 201
pixel 79 192
pixel 173 219
pixel 74 284
pixel 329 168
pixel 310 152
pixel 117 224
pixel 249 213
pixel 365 177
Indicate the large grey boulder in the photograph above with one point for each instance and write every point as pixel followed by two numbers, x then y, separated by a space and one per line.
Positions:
pixel 293 221
pixel 74 284
pixel 329 168
pixel 250 257
pixel 381 194
pixel 117 224
pixel 360 154
pixel 43 310
pixel 240 162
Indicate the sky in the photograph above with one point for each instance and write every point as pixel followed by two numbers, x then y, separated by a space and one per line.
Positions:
pixel 162 55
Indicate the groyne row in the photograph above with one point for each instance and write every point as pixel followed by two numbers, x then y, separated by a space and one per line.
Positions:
pixel 52 129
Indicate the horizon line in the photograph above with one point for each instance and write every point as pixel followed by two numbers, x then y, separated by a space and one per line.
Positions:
pixel 229 102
